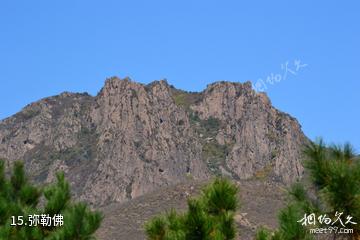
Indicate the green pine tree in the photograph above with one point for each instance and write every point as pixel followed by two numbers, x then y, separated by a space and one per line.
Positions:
pixel 20 199
pixel 334 174
pixel 209 217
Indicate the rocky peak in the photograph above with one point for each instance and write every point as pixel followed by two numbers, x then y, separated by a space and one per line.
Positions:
pixel 259 140
pixel 133 138
pixel 226 100
pixel 236 87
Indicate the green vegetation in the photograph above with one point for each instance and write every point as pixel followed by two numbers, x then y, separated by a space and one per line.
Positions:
pixel 19 200
pixel 274 153
pixel 214 150
pixel 185 99
pixel 264 172
pixel 29 113
pixel 211 125
pixel 207 127
pixel 209 217
pixel 181 100
pixel 215 155
pixel 334 188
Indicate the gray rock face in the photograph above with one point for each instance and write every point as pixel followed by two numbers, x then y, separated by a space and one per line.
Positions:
pixel 131 138
pixel 264 141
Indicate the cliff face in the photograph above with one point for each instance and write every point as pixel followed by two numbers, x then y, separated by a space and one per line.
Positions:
pixel 264 141
pixel 133 138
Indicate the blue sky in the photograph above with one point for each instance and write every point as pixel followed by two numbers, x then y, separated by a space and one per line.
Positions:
pixel 47 47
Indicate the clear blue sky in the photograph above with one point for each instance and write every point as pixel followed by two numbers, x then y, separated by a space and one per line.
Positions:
pixel 47 47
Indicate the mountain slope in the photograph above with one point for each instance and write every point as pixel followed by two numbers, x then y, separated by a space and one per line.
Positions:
pixel 260 202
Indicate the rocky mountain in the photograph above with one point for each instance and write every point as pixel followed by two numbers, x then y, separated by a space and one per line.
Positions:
pixel 132 138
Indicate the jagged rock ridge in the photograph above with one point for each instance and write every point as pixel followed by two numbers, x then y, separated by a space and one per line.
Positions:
pixel 133 138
